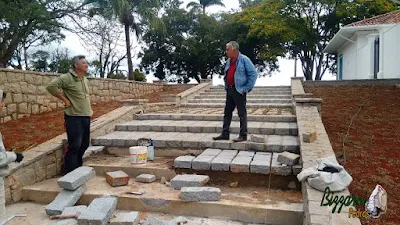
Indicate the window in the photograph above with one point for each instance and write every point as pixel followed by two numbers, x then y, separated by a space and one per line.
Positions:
pixel 340 69
pixel 376 58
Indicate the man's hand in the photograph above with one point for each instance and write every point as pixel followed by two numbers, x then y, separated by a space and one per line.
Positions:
pixel 19 157
pixel 67 103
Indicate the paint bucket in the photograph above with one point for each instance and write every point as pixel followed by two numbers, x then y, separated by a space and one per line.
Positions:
pixel 138 154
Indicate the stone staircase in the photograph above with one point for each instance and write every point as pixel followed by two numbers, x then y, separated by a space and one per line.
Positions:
pixel 187 130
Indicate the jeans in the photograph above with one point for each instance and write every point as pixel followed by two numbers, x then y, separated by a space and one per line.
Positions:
pixel 78 139
pixel 235 99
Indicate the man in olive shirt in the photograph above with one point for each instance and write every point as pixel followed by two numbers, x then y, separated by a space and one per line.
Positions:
pixel 73 89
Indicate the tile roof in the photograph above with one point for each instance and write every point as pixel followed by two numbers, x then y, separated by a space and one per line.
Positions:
pixel 388 18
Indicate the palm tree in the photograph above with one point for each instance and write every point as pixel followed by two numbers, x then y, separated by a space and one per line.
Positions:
pixel 203 4
pixel 133 15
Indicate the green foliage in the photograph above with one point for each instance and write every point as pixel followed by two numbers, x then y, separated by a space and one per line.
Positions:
pixel 139 76
pixel 203 4
pixel 117 75
pixel 40 61
pixel 192 46
pixel 61 61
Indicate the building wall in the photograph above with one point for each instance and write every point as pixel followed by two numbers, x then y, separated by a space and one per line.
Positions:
pixel 391 52
pixel 27 94
pixel 349 52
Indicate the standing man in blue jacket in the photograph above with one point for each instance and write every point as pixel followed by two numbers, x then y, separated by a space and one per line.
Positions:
pixel 240 78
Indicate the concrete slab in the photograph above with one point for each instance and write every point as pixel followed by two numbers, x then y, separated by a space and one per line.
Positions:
pixel 189 180
pixel 197 194
pixel 76 178
pixel 64 199
pixel 184 162
pixel 99 212
pixel 241 164
pixel 202 162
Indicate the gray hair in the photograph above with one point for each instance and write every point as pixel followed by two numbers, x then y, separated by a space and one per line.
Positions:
pixel 233 45
pixel 76 59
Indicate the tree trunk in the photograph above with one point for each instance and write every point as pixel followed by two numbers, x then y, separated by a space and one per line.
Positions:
pixel 26 57
pixel 204 10
pixel 128 53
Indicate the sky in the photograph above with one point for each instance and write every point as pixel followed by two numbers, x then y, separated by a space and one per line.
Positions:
pixel 281 77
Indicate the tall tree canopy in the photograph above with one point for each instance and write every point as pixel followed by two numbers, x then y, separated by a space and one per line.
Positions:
pixel 203 4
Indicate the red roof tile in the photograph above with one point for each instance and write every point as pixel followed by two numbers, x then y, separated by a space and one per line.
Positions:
pixel 388 18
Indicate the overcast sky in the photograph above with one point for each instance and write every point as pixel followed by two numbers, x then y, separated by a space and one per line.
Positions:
pixel 286 67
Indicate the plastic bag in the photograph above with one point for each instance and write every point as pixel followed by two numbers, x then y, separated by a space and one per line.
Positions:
pixel 2 148
pixel 318 178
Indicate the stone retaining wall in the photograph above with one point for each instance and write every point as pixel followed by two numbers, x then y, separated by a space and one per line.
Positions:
pixel 27 92
pixel 309 120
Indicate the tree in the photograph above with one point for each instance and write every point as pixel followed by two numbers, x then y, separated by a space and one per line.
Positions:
pixel 305 27
pixel 60 61
pixel 23 22
pixel 40 61
pixel 203 4
pixel 192 46
pixel 249 3
pixel 133 15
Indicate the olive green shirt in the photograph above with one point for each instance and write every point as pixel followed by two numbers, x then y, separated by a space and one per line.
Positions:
pixel 76 90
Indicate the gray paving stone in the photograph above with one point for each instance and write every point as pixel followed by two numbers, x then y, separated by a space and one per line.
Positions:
pixel 196 194
pixel 288 158
pixel 64 199
pixel 257 138
pixel 95 149
pixel 260 166
pixel 99 212
pixel 241 164
pixel 291 144
pixel 243 146
pixel 279 169
pixel 296 169
pixel 222 144
pixel 169 127
pixel 182 128
pixel 184 162
pixel 146 178
pixel 125 218
pixel 274 143
pixel 221 163
pixel 70 211
pixel 189 180
pixel 228 153
pixel 154 221
pixel 282 128
pixel 202 162
pixel 211 152
pixel 76 178
pixel 256 146
pixel 246 153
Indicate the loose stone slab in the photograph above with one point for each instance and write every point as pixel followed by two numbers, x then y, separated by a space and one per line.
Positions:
pixel 71 211
pixel 184 162
pixel 146 178
pixel 202 162
pixel 154 221
pixel 125 218
pixel 65 198
pixel 76 178
pixel 279 169
pixel 189 180
pixel 288 158
pixel 257 138
pixel 99 212
pixel 117 178
pixel 241 164
pixel 196 194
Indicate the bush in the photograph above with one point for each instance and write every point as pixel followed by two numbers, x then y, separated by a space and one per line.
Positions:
pixel 139 76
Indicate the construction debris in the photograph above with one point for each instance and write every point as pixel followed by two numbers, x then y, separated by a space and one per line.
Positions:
pixel 146 178
pixel 117 178
pixel 64 199
pixel 309 137
pixel 196 194
pixel 189 180
pixel 288 158
pixel 163 180
pixel 99 212
pixel 125 218
pixel 76 178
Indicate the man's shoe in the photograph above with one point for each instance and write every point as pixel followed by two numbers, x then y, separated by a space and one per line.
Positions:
pixel 221 137
pixel 240 139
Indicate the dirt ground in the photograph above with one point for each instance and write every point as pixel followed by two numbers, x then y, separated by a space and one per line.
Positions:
pixel 25 133
pixel 363 124
pixel 35 214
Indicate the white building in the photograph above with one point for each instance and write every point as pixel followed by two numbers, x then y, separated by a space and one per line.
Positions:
pixel 368 49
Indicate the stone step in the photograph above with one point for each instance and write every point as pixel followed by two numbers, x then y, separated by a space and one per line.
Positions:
pixel 248 105
pixel 249 100
pixel 257 91
pixel 193 126
pixel 184 140
pixel 163 166
pixel 215 117
pixel 260 88
pixel 237 162
pixel 250 96
pixel 279 208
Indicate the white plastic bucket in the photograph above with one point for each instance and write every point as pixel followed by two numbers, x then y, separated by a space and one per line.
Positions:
pixel 138 154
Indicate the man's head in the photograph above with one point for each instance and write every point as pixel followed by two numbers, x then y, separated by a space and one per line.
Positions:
pixel 232 49
pixel 79 64
pixel 3 96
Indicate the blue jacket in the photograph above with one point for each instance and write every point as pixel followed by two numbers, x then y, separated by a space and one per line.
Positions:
pixel 245 75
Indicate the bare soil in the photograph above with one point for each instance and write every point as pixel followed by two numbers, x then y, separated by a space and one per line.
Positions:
pixel 370 149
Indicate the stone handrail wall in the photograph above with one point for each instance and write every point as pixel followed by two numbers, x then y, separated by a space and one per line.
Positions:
pixel 27 94
pixel 309 120
pixel 347 83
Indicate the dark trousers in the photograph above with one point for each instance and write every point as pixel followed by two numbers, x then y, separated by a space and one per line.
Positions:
pixel 235 99
pixel 78 138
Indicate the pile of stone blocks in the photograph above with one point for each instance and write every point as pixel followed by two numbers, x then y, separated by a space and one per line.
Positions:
pixel 117 178
pixel 74 185
pixel 193 188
